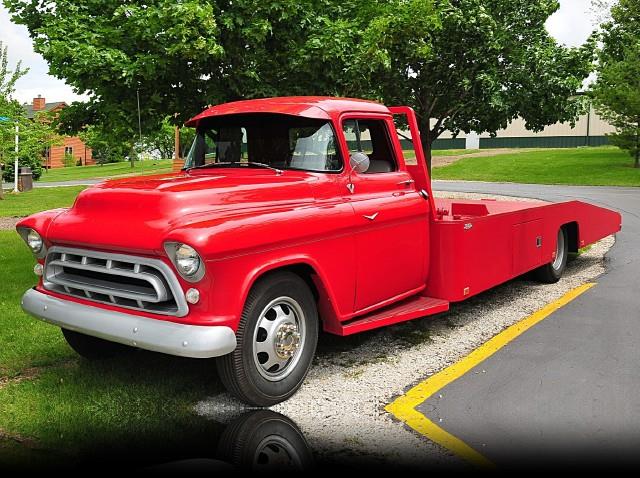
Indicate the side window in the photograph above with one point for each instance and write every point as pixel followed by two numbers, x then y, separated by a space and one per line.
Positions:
pixel 371 137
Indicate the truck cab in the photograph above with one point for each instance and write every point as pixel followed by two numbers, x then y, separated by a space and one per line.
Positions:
pixel 290 216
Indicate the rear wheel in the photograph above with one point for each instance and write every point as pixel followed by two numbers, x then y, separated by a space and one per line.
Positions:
pixel 93 348
pixel 277 339
pixel 552 272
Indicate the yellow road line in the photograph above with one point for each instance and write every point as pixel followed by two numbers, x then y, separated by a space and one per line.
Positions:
pixel 404 407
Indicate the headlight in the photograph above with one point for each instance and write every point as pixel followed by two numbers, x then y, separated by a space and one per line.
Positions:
pixel 187 260
pixel 34 241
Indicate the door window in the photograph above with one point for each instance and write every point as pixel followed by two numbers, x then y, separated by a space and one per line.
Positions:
pixel 371 137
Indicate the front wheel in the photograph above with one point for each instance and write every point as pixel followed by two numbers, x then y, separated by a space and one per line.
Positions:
pixel 552 272
pixel 277 339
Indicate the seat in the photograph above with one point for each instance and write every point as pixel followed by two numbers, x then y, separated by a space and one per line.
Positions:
pixel 379 166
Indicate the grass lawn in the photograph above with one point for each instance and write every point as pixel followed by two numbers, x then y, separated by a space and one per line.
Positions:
pixel 36 200
pixel 452 152
pixel 56 405
pixel 602 166
pixel 106 170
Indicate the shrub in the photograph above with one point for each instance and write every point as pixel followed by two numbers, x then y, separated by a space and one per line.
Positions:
pixel 34 163
pixel 69 160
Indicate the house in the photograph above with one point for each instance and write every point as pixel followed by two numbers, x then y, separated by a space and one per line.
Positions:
pixel 54 157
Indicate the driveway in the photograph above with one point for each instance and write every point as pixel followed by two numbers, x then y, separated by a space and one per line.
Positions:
pixel 39 184
pixel 567 390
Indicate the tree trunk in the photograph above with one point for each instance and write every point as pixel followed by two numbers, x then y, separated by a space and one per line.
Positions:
pixel 426 141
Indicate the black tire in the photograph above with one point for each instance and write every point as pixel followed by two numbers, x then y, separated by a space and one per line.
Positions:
pixel 239 370
pixel 93 348
pixel 552 272
pixel 265 441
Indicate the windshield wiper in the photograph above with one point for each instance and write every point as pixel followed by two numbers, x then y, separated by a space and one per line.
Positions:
pixel 236 163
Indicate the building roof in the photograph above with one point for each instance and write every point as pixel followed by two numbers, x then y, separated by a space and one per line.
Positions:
pixel 317 107
pixel 47 107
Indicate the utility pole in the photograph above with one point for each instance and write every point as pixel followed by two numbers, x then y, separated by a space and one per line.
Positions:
pixel 15 179
pixel 139 132
pixel 176 156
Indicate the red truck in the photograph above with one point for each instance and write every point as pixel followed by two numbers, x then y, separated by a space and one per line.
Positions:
pixel 290 215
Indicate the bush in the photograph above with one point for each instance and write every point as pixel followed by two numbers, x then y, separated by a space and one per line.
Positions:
pixel 69 160
pixel 34 163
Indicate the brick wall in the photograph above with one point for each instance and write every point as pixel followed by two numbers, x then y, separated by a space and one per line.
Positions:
pixel 79 150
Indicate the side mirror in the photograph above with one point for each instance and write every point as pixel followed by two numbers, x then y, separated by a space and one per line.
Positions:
pixel 359 162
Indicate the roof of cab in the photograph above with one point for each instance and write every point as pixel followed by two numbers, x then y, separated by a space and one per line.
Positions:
pixel 317 107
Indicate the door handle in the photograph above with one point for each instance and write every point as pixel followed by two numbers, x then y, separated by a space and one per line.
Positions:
pixel 372 217
pixel 406 182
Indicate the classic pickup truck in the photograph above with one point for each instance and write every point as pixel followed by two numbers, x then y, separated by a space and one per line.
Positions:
pixel 290 215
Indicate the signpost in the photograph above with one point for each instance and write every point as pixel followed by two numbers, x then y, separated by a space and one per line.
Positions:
pixel 15 172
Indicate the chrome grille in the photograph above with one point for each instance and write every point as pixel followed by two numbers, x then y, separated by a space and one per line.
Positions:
pixel 126 281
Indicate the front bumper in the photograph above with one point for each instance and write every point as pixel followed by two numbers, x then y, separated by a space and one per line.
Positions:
pixel 195 341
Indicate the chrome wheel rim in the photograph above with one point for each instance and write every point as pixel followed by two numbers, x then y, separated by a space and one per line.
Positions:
pixel 557 263
pixel 274 452
pixel 278 339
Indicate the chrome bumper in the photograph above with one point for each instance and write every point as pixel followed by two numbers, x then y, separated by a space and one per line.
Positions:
pixel 194 341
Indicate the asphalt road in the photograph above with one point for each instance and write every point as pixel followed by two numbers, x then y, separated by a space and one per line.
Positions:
pixel 38 184
pixel 568 390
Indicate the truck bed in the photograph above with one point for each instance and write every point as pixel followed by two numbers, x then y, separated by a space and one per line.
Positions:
pixel 478 244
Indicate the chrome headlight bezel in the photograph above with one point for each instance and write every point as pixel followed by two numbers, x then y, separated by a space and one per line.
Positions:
pixel 27 235
pixel 179 253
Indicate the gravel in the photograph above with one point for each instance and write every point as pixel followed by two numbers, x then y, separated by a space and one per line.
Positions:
pixel 7 223
pixel 340 408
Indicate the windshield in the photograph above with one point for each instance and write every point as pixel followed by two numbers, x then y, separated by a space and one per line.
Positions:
pixel 279 141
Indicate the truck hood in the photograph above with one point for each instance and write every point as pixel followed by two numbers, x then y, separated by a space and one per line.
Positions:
pixel 135 214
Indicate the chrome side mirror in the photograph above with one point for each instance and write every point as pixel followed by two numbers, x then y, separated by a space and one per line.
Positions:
pixel 359 162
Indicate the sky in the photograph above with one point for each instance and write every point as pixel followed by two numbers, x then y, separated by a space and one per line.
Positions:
pixel 571 25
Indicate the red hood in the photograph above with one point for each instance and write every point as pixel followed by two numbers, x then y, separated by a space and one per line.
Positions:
pixel 135 214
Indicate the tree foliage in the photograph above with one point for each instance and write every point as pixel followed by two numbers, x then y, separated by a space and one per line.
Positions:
pixel 471 65
pixel 617 91
pixel 105 148
pixel 162 140
pixel 34 134
pixel 477 66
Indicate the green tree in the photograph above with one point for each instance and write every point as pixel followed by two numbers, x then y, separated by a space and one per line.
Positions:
pixel 616 92
pixel 179 56
pixel 9 108
pixel 476 66
pixel 162 140
pixel 105 149
pixel 471 65
pixel 35 134
pixel 105 127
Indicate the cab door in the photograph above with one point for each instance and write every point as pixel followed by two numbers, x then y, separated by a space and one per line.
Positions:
pixel 391 216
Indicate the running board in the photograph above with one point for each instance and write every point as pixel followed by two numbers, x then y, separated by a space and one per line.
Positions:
pixel 409 309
